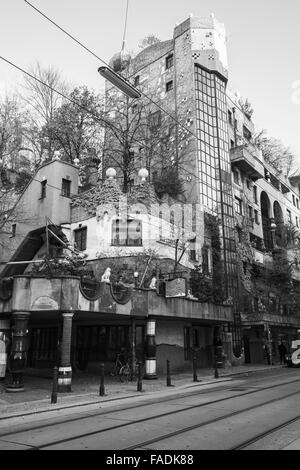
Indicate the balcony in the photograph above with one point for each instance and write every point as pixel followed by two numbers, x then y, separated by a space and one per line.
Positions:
pixel 247 162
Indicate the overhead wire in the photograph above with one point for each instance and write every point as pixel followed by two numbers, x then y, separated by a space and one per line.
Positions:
pixel 88 111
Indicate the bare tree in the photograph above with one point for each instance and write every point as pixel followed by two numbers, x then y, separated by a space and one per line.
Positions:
pixel 11 131
pixel 275 153
pixel 138 134
pixel 43 101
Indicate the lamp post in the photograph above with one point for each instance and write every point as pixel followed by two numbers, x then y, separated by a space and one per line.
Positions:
pixel 136 279
pixel 119 82
pixel 273 227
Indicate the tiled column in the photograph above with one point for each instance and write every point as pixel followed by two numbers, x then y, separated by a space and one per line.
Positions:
pixel 65 369
pixel 18 355
pixel 150 359
pixel 4 334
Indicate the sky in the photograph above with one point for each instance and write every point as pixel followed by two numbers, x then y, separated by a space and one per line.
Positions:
pixel 263 40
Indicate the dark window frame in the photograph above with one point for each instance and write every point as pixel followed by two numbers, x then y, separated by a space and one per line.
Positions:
pixel 169 86
pixel 43 189
pixel 80 238
pixel 169 61
pixel 13 230
pixel 66 187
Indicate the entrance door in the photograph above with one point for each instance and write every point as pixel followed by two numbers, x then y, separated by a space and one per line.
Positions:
pixel 43 347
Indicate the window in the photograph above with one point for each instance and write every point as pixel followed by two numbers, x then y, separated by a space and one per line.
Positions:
pixel 256 217
pixel 154 120
pixel 127 233
pixel 13 230
pixel 80 238
pixel 230 117
pixel 169 61
pixel 236 176
pixel 169 85
pixel 297 222
pixel 238 206
pixel 205 260
pixel 297 203
pixel 289 214
pixel 294 200
pixel 250 212
pixel 255 194
pixel 43 189
pixel 248 184
pixel 246 133
pixel 136 80
pixel 65 187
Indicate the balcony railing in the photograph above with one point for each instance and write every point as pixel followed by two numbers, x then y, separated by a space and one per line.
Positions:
pixel 247 162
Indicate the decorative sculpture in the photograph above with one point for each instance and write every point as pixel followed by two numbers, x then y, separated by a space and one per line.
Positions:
pixel 153 283
pixel 105 277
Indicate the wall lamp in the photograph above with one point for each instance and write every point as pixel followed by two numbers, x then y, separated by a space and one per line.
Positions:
pixel 119 82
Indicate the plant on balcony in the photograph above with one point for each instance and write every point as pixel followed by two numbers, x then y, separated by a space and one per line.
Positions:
pixel 210 288
pixel 67 265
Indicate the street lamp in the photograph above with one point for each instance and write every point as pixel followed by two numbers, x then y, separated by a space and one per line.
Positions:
pixel 119 82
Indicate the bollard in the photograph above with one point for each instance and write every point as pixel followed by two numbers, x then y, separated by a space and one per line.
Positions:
pixel 216 369
pixel 195 368
pixel 168 375
pixel 139 381
pixel 54 386
pixel 102 387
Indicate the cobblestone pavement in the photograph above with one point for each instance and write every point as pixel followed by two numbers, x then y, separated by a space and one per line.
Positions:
pixel 85 388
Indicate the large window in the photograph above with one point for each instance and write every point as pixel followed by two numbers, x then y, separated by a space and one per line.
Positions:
pixel 127 232
pixel 80 238
pixel 169 61
pixel 154 120
pixel 238 206
pixel 65 187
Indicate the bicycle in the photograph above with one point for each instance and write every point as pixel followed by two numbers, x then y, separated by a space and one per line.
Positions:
pixel 124 371
pixel 117 366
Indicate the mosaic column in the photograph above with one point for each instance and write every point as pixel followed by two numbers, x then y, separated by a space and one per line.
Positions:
pixel 18 355
pixel 65 369
pixel 218 347
pixel 150 359
pixel 4 339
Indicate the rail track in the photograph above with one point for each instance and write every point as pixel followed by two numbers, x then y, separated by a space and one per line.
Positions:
pixel 160 438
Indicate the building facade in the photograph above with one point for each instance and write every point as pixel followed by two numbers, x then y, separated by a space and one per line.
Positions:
pixel 163 277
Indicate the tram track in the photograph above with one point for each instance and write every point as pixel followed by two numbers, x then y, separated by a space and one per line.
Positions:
pixel 142 404
pixel 153 417
pixel 206 423
pixel 264 434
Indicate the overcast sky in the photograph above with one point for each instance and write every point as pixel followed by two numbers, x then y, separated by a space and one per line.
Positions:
pixel 263 45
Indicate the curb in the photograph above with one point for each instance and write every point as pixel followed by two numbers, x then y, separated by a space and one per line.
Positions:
pixel 43 406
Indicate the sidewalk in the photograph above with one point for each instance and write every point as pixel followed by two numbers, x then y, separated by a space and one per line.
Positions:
pixel 85 389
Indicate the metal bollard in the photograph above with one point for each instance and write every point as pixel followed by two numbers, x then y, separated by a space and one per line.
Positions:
pixel 216 369
pixel 168 375
pixel 139 381
pixel 54 386
pixel 102 387
pixel 195 368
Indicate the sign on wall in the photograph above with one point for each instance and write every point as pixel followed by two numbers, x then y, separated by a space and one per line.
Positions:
pixel 176 288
